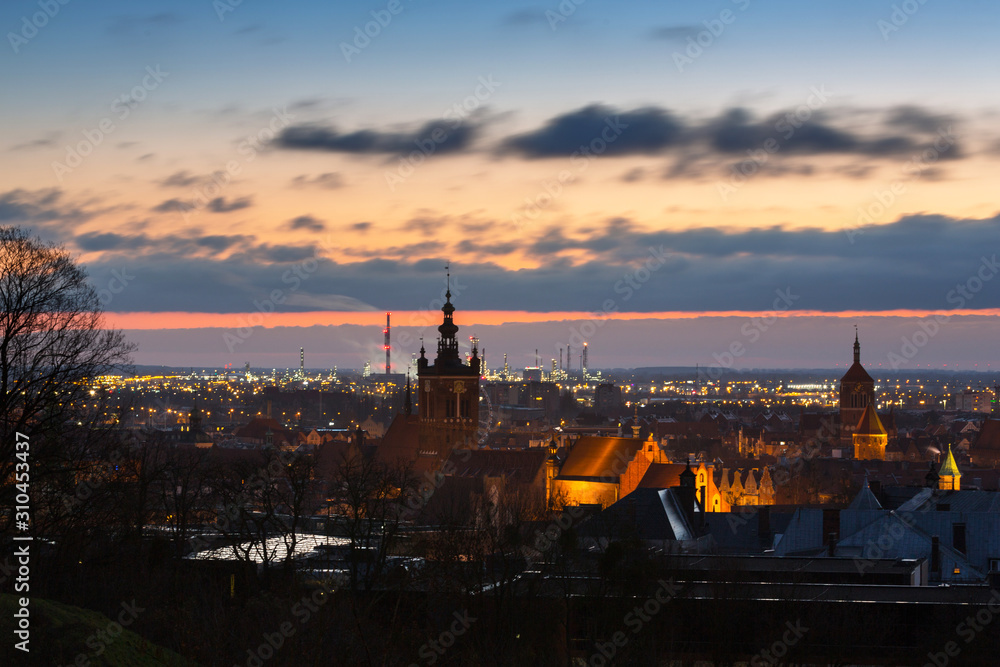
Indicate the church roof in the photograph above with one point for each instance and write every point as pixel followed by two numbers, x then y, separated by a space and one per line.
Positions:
pixel 595 456
pixel 662 476
pixel 517 465
pixel 870 424
pixel 857 373
pixel 949 467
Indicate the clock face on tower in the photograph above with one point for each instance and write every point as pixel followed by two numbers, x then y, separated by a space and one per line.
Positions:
pixel 459 386
pixel 427 385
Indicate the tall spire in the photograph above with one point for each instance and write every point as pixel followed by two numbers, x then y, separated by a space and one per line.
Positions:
pixel 857 346
pixel 447 343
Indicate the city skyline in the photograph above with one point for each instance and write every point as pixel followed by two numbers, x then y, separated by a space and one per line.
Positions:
pixel 244 163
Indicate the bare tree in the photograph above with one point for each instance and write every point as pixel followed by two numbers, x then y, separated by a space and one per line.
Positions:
pixel 52 344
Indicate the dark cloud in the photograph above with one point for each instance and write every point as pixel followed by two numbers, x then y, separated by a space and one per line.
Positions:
pixel 424 225
pixel 674 33
pixel 135 26
pixel 282 253
pixel 702 147
pixel 182 179
pixel 307 222
pixel 221 205
pixel 524 17
pixel 914 262
pixel 634 175
pixel 329 180
pixel 172 205
pixel 219 243
pixel 362 227
pixel 915 118
pixel 180 245
pixel 437 137
pixel 50 140
pixel 487 247
pixel 737 131
pixel 600 130
pixel 44 209
pixel 96 242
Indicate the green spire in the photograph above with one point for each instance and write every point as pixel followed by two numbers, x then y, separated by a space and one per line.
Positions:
pixel 949 467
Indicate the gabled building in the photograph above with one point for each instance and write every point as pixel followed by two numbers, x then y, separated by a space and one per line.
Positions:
pixel 857 391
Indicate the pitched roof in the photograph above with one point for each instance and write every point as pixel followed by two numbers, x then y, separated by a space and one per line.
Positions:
pixel 857 373
pixel 989 436
pixel 865 500
pixel 870 424
pixel 662 476
pixel 949 467
pixel 647 514
pixel 517 465
pixel 597 456
pixel 402 441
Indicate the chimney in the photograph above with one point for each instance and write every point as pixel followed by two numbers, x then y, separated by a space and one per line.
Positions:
pixel 831 549
pixel 764 521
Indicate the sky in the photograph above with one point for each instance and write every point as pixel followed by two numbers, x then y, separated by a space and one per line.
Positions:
pixel 734 183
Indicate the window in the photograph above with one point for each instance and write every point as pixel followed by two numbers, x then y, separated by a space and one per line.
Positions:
pixel 958 537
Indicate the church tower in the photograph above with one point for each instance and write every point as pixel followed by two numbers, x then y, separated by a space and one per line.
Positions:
pixel 448 392
pixel 949 476
pixel 857 391
pixel 870 437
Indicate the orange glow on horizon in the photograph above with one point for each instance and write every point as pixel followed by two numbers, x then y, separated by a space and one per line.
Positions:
pixel 182 320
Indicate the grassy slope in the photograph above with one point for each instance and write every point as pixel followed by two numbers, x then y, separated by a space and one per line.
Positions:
pixel 59 634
